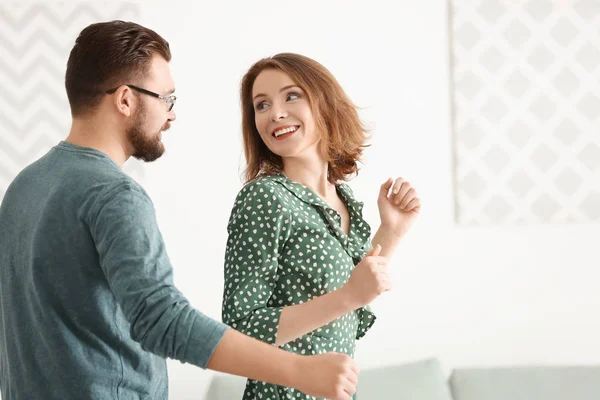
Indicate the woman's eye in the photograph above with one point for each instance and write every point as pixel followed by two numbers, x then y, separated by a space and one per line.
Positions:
pixel 261 106
pixel 293 96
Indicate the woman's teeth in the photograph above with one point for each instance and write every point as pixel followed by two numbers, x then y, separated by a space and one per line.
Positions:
pixel 284 131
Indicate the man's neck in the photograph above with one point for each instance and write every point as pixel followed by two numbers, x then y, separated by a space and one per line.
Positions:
pixel 86 133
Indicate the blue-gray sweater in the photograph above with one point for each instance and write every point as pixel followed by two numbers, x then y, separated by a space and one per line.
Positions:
pixel 88 308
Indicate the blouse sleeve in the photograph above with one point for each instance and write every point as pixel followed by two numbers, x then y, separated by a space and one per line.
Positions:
pixel 258 228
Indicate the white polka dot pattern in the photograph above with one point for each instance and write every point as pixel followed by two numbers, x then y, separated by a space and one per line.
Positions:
pixel 285 247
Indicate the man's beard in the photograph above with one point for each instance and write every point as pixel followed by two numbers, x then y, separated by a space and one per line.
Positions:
pixel 145 148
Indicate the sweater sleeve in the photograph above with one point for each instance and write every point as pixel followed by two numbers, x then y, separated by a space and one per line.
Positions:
pixel 134 260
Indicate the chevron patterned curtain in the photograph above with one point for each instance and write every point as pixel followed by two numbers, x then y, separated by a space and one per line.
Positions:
pixel 35 41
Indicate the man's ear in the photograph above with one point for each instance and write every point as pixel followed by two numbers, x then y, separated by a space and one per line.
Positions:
pixel 124 100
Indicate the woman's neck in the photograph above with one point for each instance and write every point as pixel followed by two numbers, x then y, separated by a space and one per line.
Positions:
pixel 312 173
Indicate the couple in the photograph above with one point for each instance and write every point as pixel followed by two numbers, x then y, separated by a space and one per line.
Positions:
pixel 88 307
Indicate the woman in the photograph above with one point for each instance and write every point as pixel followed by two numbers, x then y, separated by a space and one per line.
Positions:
pixel 296 274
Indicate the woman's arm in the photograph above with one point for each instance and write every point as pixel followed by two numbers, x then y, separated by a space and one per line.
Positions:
pixel 399 207
pixel 368 280
pixel 388 239
pixel 251 271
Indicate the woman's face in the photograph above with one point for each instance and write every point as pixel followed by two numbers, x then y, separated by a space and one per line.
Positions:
pixel 283 115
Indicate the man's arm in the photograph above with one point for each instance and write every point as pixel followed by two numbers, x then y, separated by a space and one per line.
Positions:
pixel 133 257
pixel 330 375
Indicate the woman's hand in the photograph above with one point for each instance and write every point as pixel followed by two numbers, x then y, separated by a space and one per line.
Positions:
pixel 368 280
pixel 398 205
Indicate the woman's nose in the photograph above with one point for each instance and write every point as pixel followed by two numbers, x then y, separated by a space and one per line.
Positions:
pixel 278 113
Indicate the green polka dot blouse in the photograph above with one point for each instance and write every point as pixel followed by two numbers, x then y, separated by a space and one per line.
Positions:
pixel 285 247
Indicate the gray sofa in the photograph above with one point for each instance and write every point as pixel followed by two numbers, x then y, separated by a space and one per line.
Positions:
pixel 425 380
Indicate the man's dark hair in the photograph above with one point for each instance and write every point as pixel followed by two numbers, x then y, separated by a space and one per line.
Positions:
pixel 106 55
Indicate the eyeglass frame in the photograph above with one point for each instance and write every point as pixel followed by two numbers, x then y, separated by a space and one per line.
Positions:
pixel 169 100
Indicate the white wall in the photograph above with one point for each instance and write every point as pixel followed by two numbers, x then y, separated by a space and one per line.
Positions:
pixel 469 296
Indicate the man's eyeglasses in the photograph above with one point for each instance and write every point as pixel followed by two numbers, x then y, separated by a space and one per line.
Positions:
pixel 169 100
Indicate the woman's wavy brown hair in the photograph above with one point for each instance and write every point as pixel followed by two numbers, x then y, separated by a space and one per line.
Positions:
pixel 343 135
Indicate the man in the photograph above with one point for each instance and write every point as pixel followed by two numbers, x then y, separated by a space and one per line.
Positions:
pixel 88 308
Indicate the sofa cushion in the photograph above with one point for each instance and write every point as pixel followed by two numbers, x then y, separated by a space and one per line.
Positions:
pixel 226 387
pixel 526 383
pixel 422 380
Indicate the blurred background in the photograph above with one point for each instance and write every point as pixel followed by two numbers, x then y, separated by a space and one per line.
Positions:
pixel 491 108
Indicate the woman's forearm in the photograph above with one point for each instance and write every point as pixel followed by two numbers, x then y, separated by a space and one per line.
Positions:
pixel 388 240
pixel 300 319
